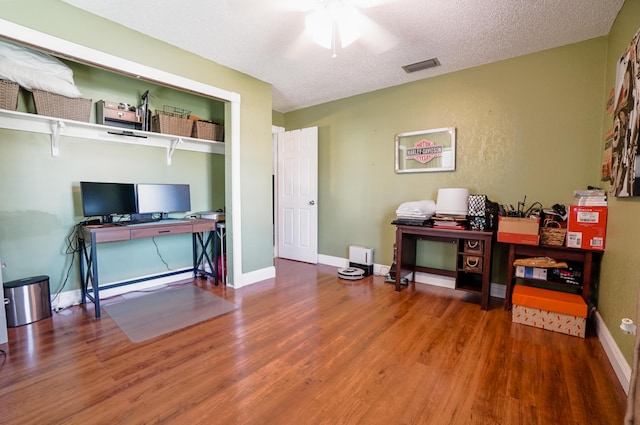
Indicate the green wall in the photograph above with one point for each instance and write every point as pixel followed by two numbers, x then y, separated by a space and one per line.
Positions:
pixel 17 241
pixel 42 204
pixel 526 126
pixel 277 118
pixel 620 275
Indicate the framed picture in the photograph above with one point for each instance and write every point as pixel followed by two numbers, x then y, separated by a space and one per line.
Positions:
pixel 625 157
pixel 426 150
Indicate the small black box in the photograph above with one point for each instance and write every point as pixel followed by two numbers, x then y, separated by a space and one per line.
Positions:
pixel 368 269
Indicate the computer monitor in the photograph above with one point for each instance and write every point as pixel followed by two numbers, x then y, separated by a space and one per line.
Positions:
pixel 107 199
pixel 163 198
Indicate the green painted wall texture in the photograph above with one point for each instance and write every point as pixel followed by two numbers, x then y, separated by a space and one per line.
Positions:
pixel 620 276
pixel 526 126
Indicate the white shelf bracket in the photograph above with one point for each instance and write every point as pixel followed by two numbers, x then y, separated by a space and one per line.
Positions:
pixel 56 129
pixel 172 148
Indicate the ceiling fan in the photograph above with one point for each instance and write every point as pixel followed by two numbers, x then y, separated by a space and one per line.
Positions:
pixel 333 23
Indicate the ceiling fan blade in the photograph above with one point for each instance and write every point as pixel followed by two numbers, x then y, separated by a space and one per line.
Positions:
pixel 364 4
pixel 278 5
pixel 376 38
pixel 299 47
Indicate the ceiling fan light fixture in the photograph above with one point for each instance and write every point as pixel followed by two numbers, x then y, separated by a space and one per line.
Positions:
pixel 348 21
pixel 334 19
pixel 320 26
pixel 419 66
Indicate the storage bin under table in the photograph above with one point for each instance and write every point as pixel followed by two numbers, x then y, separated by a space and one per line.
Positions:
pixel 551 310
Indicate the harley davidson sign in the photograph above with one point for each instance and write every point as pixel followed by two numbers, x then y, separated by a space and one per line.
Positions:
pixel 424 151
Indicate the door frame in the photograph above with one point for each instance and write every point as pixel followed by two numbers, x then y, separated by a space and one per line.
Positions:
pixel 274 178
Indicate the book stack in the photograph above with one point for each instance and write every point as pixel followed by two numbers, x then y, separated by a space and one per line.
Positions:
pixel 450 222
pixel 590 198
pixel 415 213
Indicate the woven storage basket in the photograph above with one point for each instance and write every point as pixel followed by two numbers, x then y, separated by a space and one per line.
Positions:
pixel 54 105
pixel 9 95
pixel 550 235
pixel 168 124
pixel 207 130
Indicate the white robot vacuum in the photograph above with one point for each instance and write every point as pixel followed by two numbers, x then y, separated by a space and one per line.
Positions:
pixel 351 273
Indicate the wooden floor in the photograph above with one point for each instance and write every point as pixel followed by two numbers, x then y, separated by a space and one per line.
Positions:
pixel 309 348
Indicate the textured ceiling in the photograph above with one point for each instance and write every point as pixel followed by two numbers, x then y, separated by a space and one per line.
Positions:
pixel 267 39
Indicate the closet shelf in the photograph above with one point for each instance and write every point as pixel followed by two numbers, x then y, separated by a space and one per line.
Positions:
pixel 57 127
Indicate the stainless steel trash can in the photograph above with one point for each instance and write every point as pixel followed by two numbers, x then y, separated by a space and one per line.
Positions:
pixel 28 300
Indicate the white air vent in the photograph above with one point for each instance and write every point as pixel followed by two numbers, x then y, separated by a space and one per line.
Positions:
pixel 419 66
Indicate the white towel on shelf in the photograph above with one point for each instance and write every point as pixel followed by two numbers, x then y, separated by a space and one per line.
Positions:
pixel 416 209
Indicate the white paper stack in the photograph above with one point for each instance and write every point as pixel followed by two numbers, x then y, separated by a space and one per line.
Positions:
pixel 590 198
pixel 416 211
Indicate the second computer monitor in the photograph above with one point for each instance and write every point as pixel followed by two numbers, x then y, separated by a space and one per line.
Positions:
pixel 163 198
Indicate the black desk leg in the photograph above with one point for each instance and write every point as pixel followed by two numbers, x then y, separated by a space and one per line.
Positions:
pixel 94 275
pixel 201 257
pixel 82 261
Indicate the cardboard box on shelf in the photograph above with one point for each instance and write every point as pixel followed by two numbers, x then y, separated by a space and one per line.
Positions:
pixel 551 310
pixel 518 230
pixel 525 272
pixel 587 227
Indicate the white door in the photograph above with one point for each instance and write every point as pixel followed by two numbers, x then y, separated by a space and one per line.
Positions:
pixel 3 317
pixel 297 199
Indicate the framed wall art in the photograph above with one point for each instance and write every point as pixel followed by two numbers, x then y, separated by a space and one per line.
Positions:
pixel 426 150
pixel 624 176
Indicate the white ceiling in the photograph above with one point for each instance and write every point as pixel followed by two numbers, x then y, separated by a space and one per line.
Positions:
pixel 267 40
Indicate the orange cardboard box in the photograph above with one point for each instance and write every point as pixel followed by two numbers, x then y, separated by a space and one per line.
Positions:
pixel 551 310
pixel 587 227
pixel 518 230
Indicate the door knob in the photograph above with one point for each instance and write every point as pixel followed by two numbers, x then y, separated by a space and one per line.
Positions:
pixel 312 202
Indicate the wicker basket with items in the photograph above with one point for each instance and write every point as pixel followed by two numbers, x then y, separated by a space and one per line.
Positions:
pixel 55 105
pixel 172 120
pixel 207 130
pixel 9 95
pixel 553 229
pixel 48 78
pixel 551 233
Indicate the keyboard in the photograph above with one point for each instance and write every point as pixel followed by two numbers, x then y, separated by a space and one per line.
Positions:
pixel 154 223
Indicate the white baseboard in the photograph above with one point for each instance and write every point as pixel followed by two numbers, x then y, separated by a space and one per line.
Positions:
pixel 620 365
pixel 254 277
pixel 332 261
pixel 69 298
pixel 328 260
pixel 496 290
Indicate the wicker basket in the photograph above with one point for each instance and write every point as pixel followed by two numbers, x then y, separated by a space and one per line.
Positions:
pixel 207 130
pixel 552 234
pixel 9 95
pixel 55 105
pixel 169 124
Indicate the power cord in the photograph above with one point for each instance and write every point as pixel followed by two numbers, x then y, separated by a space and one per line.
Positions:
pixel 384 270
pixel 160 255
pixel 71 248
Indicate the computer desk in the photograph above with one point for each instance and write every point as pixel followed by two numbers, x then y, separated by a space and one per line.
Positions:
pixel 90 236
pixel 472 271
